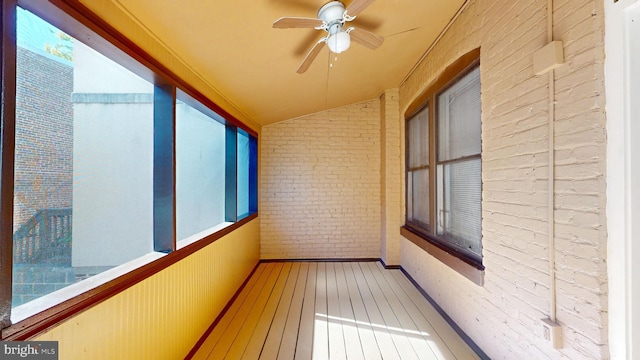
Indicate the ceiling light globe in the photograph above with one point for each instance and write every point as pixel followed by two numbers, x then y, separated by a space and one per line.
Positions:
pixel 339 42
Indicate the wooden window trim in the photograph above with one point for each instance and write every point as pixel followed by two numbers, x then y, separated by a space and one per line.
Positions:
pixel 58 313
pixel 452 72
pixel 7 144
pixel 86 25
pixel 446 255
pixel 432 244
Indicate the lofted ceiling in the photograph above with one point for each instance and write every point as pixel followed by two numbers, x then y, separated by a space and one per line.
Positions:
pixel 232 45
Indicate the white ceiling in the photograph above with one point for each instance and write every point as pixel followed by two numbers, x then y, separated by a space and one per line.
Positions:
pixel 232 44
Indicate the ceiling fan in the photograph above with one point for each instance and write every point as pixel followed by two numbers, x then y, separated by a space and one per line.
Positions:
pixel 331 18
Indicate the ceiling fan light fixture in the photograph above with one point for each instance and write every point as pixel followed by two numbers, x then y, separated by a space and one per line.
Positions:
pixel 332 18
pixel 339 42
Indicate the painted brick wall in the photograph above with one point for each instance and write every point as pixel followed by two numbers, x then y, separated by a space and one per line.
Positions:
pixel 503 316
pixel 320 185
pixel 392 176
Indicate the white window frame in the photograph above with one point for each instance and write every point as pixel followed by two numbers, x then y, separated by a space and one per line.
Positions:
pixel 622 84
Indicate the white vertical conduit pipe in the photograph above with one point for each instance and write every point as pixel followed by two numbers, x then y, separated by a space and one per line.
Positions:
pixel 551 184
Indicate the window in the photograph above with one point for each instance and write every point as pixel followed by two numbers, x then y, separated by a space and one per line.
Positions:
pixel 458 171
pixel 104 163
pixel 83 169
pixel 200 175
pixel 418 170
pixel 443 169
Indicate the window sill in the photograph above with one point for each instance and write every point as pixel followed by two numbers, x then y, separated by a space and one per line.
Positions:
pixel 45 302
pixel 41 314
pixel 472 272
pixel 201 235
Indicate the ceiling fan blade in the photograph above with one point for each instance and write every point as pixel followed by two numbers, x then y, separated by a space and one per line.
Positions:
pixel 296 22
pixel 311 55
pixel 366 38
pixel 357 6
pixel 369 23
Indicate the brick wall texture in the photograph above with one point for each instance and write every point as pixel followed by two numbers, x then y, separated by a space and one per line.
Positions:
pixel 332 183
pixel 503 316
pixel 320 185
pixel 44 135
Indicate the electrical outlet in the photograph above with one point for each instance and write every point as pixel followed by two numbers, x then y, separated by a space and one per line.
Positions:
pixel 552 332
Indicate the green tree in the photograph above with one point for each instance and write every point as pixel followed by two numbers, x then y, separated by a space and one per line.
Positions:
pixel 62 49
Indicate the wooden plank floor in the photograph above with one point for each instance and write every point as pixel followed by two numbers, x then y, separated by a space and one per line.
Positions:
pixel 332 310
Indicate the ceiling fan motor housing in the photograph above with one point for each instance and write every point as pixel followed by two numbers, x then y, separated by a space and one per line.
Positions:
pixel 332 13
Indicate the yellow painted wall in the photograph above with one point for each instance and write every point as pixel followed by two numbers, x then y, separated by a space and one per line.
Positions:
pixel 163 316
pixel 117 17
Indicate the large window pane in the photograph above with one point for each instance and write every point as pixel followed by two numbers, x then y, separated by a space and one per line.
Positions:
pixel 459 186
pixel 83 162
pixel 461 211
pixel 418 132
pixel 418 169
pixel 200 171
pixel 418 205
pixel 459 112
